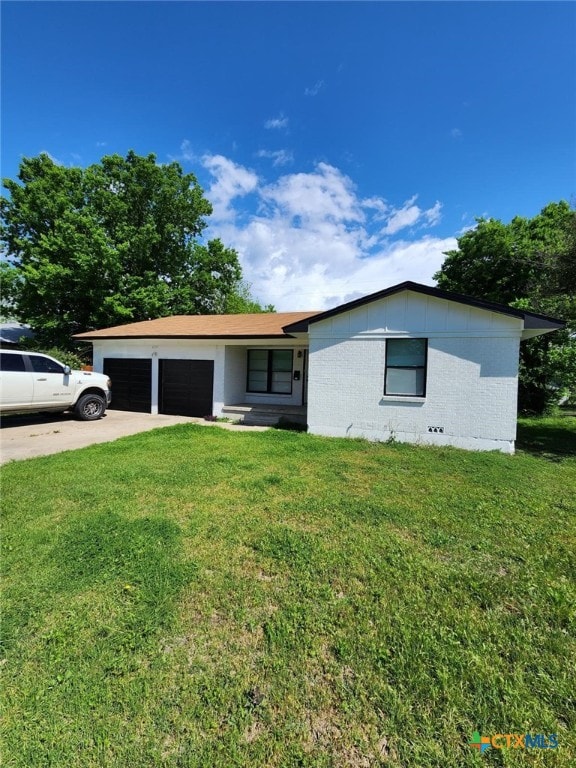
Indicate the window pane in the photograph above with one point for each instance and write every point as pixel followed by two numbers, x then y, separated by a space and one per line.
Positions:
pixel 45 365
pixel 257 370
pixel 282 382
pixel 282 360
pixel 258 359
pixel 405 381
pixel 257 381
pixel 281 376
pixel 406 352
pixel 12 363
pixel 282 388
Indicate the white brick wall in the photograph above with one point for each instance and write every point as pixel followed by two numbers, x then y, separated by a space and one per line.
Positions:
pixel 471 387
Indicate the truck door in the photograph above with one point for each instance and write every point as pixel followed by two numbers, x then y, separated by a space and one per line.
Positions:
pixel 15 381
pixel 52 387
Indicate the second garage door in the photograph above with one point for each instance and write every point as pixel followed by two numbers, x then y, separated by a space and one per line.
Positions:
pixel 186 387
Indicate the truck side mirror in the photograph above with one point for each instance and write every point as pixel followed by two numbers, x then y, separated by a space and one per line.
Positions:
pixel 67 370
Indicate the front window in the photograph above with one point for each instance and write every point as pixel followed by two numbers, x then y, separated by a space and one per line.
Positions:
pixel 270 371
pixel 405 367
pixel 45 365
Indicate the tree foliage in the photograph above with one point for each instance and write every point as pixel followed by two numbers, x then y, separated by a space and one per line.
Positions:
pixel 241 301
pixel 530 264
pixel 75 359
pixel 117 242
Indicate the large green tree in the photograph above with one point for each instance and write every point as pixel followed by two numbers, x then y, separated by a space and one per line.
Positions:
pixel 528 263
pixel 116 242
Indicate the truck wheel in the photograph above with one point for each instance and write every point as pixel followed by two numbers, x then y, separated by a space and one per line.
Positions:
pixel 90 407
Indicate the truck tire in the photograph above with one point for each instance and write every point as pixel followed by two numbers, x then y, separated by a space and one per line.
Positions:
pixel 90 407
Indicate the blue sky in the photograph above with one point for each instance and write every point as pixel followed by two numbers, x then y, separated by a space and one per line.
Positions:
pixel 344 145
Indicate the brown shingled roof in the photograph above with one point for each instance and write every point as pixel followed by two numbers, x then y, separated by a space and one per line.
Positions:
pixel 264 325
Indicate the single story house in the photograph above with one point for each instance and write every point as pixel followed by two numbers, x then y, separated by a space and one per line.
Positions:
pixel 410 362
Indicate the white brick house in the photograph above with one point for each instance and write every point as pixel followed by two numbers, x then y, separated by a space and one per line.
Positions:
pixel 412 363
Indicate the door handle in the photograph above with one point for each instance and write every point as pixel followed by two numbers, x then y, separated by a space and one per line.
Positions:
pixel 41 379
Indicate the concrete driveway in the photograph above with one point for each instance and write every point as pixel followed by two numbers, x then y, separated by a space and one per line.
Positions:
pixel 23 437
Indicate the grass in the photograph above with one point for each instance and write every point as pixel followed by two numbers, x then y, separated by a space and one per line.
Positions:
pixel 195 597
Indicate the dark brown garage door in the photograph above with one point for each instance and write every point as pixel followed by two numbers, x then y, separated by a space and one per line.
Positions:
pixel 186 387
pixel 131 383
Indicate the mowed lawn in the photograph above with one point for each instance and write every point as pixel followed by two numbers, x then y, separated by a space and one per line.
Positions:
pixel 197 597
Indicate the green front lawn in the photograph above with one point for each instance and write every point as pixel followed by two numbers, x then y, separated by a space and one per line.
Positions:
pixel 197 597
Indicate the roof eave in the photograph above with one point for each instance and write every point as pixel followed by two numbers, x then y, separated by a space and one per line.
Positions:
pixel 542 322
pixel 538 325
pixel 93 337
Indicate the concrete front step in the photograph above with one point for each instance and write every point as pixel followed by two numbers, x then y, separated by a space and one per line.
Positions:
pixel 265 415
pixel 261 419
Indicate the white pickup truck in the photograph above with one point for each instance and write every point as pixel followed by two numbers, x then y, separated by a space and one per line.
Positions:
pixel 30 381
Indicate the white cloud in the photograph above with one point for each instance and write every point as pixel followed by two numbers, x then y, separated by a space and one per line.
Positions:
pixel 276 122
pixel 315 89
pixel 377 204
pixel 402 217
pixel 456 133
pixel 306 268
pixel 278 157
pixel 324 194
pixel 313 242
pixel 186 153
pixel 434 214
pixel 410 214
pixel 230 181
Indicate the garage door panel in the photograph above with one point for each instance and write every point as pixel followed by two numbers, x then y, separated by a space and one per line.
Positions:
pixel 131 383
pixel 186 387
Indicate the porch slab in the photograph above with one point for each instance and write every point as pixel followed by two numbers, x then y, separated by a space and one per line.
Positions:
pixel 265 414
